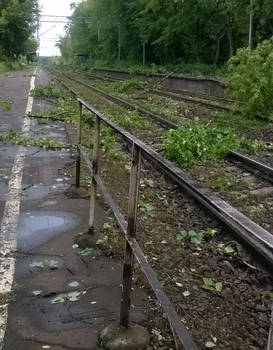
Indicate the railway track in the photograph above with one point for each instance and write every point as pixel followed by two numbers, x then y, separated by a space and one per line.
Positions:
pixel 246 230
pixel 236 157
pixel 211 102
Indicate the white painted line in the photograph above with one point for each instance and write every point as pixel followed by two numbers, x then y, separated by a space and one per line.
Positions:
pixel 10 220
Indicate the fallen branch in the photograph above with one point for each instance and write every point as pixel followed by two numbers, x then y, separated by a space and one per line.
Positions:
pixel 46 117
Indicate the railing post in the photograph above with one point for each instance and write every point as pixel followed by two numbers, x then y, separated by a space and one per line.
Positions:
pixel 96 150
pixel 131 231
pixel 79 140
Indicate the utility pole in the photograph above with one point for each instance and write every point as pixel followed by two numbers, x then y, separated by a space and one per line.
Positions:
pixel 119 43
pixel 250 26
pixel 99 32
pixel 144 52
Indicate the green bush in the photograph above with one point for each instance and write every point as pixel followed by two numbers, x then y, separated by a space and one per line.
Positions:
pixel 251 79
pixel 199 143
pixel 131 84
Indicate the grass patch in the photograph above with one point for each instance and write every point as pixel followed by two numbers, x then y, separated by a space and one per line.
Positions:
pixel 5 298
pixel 6 105
pixel 7 65
pixel 46 91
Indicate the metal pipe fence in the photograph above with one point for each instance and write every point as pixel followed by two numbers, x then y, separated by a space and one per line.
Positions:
pixel 132 248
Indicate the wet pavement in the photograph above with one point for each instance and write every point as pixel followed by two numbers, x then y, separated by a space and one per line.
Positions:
pixel 60 299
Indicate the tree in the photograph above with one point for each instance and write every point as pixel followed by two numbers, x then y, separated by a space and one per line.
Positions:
pixel 208 31
pixel 18 20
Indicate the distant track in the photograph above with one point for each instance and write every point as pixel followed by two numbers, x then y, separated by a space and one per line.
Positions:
pixel 205 100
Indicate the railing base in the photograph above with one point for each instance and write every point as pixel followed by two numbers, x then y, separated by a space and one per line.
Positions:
pixel 115 337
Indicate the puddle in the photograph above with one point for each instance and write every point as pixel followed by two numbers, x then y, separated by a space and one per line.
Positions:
pixel 37 191
pixel 55 135
pixel 38 227
pixel 47 153
pixel 40 191
pixel 50 203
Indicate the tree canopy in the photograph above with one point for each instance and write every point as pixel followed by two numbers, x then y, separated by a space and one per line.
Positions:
pixel 18 19
pixel 207 31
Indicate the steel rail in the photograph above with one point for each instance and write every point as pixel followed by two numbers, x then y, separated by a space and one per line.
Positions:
pixel 177 96
pixel 252 165
pixel 180 97
pixel 247 230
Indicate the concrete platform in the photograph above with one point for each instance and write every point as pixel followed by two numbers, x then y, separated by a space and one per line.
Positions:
pixel 46 226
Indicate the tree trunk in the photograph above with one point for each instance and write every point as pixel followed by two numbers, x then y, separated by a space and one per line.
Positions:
pixel 218 48
pixel 230 41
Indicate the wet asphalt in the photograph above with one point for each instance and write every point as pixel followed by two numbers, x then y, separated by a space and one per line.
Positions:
pixel 41 314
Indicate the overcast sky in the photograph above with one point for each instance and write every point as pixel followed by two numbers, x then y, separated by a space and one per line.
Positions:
pixel 50 32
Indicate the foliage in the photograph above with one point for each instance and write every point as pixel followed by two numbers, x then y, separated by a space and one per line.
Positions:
pixel 199 143
pixel 193 236
pixel 18 139
pixel 116 155
pixel 6 105
pixel 131 84
pixel 7 65
pixel 212 285
pixel 45 91
pixel 251 77
pixel 146 208
pixel 224 181
pixel 5 298
pixel 108 138
pixel 17 24
pixel 174 32
pixel 225 249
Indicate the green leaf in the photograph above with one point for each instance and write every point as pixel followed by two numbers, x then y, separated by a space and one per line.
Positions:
pixel 86 251
pixel 218 286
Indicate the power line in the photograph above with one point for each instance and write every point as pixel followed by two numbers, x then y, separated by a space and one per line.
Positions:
pixel 64 19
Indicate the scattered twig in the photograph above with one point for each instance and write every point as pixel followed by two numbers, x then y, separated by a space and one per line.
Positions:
pixel 249 265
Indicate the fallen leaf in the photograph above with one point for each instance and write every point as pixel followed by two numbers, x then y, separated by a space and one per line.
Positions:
pixel 74 296
pixel 73 284
pixel 210 344
pixel 86 251
pixel 58 300
pixel 37 292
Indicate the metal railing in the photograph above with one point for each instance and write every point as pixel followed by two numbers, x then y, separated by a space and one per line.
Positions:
pixel 132 248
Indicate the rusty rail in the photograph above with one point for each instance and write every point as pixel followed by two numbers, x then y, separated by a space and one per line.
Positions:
pixel 132 248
